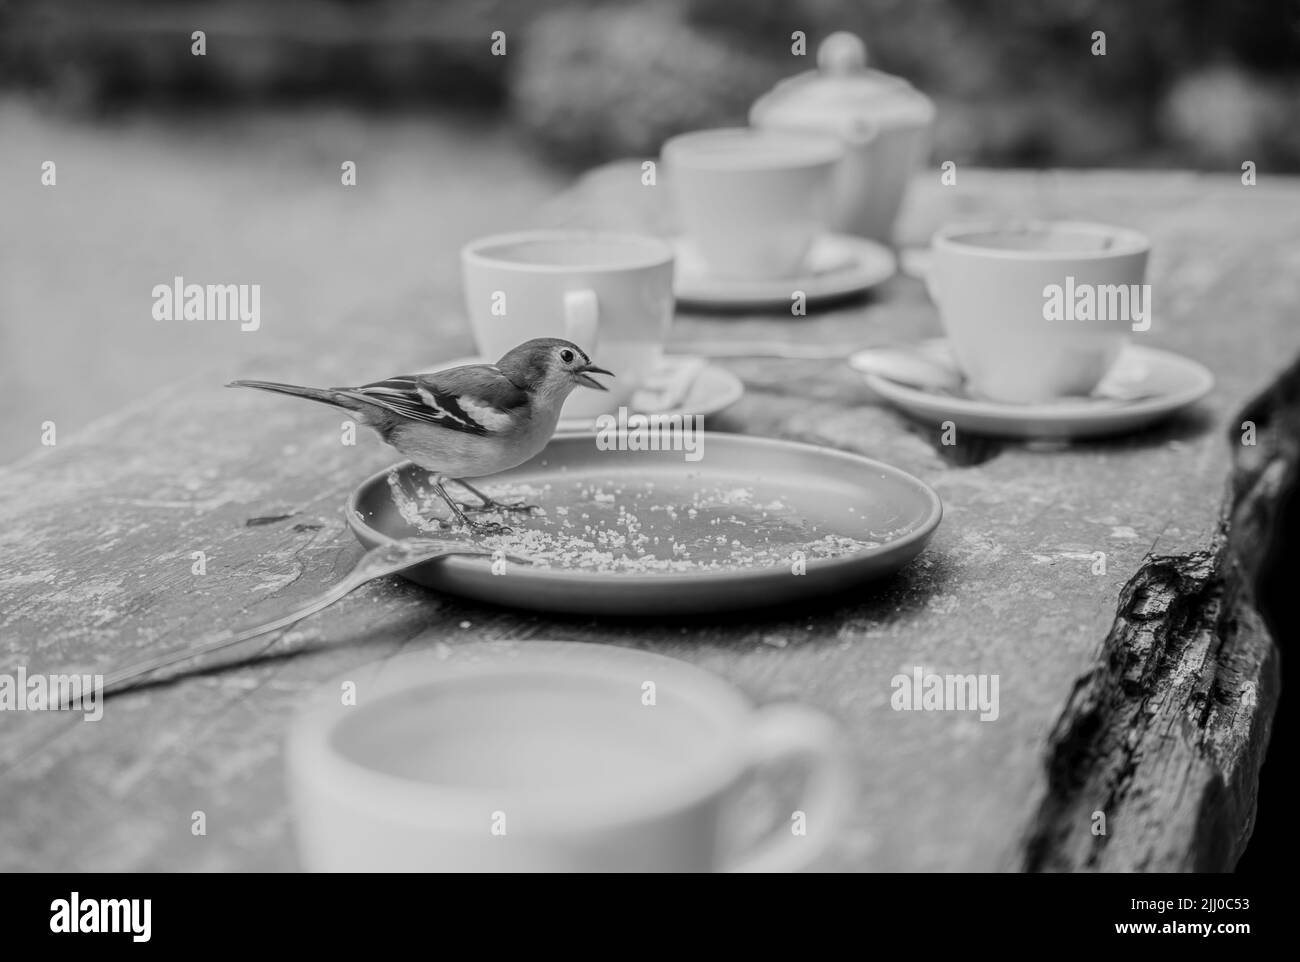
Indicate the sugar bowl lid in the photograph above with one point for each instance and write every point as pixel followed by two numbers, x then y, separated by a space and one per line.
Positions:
pixel 843 94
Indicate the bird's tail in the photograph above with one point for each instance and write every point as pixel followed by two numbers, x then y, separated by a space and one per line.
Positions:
pixel 324 395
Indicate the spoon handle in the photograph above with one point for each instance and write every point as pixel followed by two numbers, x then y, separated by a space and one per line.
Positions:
pixel 375 563
pixel 226 639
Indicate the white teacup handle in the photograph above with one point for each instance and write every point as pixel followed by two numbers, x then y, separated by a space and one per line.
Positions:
pixel 582 319
pixel 795 733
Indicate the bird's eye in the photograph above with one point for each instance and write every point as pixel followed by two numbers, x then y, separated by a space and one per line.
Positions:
pixel 566 356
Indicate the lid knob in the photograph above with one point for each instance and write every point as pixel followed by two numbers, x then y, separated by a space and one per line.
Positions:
pixel 842 53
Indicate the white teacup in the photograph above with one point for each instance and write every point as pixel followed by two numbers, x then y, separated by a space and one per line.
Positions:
pixel 609 293
pixel 1007 296
pixel 554 757
pixel 753 201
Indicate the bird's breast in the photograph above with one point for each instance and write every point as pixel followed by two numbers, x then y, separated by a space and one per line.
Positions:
pixel 460 455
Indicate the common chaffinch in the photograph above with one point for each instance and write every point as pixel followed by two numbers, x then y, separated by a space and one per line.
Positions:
pixel 468 421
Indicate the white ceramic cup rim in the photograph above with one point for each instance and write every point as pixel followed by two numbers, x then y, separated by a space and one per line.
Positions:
pixel 815 148
pixel 654 252
pixel 1127 241
pixel 312 748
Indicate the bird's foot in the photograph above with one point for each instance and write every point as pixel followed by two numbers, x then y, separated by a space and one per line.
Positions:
pixel 485 527
pixel 491 505
pixel 458 511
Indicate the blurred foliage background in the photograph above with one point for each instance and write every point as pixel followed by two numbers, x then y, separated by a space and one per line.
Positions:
pixel 1183 83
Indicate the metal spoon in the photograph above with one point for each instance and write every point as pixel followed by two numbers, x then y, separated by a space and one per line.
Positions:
pixel 384 560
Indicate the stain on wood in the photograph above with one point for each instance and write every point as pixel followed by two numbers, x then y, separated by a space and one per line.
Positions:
pixel 269 519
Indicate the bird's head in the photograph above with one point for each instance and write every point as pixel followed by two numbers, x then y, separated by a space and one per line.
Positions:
pixel 550 367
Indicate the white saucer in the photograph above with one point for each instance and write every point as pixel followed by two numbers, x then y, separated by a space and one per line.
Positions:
pixel 1161 381
pixel 838 265
pixel 712 390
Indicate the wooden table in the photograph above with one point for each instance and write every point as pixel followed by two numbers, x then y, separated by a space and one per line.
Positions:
pixel 1145 692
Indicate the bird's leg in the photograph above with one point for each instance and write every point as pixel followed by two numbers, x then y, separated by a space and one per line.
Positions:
pixel 490 504
pixel 479 527
pixel 413 497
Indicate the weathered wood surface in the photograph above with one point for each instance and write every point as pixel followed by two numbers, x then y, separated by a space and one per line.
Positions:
pixel 1145 692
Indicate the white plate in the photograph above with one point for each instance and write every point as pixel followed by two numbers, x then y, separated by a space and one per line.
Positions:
pixel 759 500
pixel 1169 381
pixel 714 389
pixel 838 265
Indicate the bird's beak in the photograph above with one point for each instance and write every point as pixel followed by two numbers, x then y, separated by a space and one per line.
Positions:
pixel 583 376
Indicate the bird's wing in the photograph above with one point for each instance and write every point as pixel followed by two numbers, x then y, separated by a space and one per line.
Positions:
pixel 476 399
